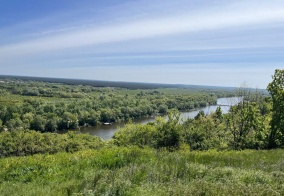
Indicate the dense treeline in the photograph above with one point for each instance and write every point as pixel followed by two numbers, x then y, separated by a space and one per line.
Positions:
pixel 51 107
pixel 117 84
pixel 256 122
pixel 246 126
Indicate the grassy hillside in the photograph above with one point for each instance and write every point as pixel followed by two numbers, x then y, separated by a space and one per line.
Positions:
pixel 135 171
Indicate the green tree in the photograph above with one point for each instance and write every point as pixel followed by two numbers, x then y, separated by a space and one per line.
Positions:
pixel 219 113
pixel 38 123
pixel 107 115
pixel 68 121
pixel 140 135
pixel 276 90
pixel 93 118
pixel 163 109
pixel 170 131
pixel 200 114
pixel 245 121
pixel 51 124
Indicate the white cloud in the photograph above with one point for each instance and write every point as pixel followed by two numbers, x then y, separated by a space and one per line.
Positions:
pixel 230 16
pixel 139 33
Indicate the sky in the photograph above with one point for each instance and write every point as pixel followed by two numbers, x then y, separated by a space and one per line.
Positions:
pixel 199 42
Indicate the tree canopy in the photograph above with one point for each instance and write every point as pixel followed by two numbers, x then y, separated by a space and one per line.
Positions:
pixel 276 90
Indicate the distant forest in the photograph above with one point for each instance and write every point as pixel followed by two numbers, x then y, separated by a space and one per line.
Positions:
pixel 55 106
pixel 119 84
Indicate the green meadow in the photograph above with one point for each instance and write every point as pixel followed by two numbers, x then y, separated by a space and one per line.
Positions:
pixel 137 171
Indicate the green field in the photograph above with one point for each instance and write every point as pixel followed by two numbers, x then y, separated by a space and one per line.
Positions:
pixel 136 171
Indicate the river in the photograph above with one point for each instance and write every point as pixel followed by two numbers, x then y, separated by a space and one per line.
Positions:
pixel 107 131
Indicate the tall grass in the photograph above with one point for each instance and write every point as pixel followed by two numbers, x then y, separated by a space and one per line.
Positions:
pixel 135 171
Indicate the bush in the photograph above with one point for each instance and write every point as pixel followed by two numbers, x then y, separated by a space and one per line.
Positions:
pixel 23 143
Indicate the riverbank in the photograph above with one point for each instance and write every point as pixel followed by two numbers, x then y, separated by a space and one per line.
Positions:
pixel 107 132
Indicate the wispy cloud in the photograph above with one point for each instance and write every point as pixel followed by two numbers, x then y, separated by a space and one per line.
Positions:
pixel 88 42
pixel 230 16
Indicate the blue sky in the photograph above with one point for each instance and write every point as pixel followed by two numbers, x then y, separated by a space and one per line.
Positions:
pixel 203 42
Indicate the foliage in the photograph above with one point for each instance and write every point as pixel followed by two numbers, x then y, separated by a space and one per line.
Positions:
pixel 23 143
pixel 245 126
pixel 276 90
pixel 52 107
pixel 160 134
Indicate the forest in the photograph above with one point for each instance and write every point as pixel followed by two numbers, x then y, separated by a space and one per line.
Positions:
pixel 237 153
pixel 117 84
pixel 54 107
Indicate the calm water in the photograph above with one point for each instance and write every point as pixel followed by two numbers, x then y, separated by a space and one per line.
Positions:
pixel 107 131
